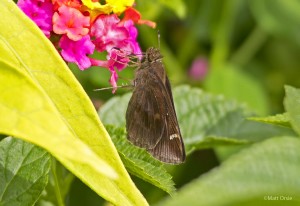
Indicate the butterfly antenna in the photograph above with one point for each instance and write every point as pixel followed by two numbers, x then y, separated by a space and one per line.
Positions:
pixel 106 88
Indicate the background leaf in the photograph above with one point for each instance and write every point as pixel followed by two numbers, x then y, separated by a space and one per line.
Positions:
pixel 278 17
pixel 140 163
pixel 42 102
pixel 113 111
pixel 291 103
pixel 178 6
pixel 24 170
pixel 267 169
pixel 205 120
pixel 278 119
pixel 231 82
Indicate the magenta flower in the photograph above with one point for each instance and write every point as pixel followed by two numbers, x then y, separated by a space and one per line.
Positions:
pixel 107 33
pixel 117 58
pixel 71 22
pixel 132 35
pixel 77 51
pixel 118 39
pixel 199 68
pixel 39 11
pixel 113 80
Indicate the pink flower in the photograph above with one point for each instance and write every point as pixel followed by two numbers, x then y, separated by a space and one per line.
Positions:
pixel 71 22
pixel 77 51
pixel 39 11
pixel 113 80
pixel 116 59
pixel 118 39
pixel 199 68
pixel 134 47
pixel 107 33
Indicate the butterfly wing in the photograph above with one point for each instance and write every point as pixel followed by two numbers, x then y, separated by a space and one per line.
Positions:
pixel 170 148
pixel 151 120
pixel 144 119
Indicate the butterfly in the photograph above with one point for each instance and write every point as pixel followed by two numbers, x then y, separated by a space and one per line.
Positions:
pixel 151 120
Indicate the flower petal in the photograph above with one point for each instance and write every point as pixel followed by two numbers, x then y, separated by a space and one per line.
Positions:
pixel 71 22
pixel 77 51
pixel 119 6
pixel 40 13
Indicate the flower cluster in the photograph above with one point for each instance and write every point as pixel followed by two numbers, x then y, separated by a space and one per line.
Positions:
pixel 84 26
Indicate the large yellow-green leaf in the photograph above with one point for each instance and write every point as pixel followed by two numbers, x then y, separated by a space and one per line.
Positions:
pixel 41 102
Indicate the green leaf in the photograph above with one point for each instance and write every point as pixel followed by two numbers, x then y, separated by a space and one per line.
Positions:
pixel 234 84
pixel 139 162
pixel 114 110
pixel 152 9
pixel 292 106
pixel 192 106
pixel 202 115
pixel 280 18
pixel 265 170
pixel 213 141
pixel 278 119
pixel 24 170
pixel 42 102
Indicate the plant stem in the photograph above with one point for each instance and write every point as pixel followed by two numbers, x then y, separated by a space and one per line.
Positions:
pixel 221 41
pixel 58 195
pixel 250 46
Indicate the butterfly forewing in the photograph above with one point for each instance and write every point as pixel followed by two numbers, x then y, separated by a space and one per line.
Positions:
pixel 143 119
pixel 151 120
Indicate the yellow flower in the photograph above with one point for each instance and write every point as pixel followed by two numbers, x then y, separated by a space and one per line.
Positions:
pixel 97 7
pixel 118 6
pixel 115 6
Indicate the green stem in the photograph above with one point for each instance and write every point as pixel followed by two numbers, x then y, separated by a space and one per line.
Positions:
pixel 250 46
pixel 221 41
pixel 57 191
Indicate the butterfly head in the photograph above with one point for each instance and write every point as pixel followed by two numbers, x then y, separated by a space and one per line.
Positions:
pixel 153 54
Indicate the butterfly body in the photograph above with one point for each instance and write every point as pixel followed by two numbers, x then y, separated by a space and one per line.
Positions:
pixel 151 120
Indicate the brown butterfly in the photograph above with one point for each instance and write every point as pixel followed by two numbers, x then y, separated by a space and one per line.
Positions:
pixel 151 120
